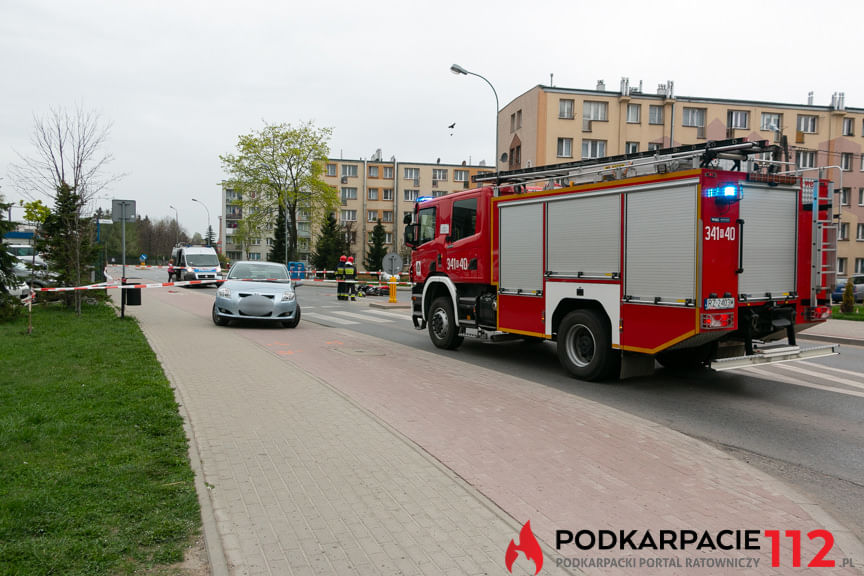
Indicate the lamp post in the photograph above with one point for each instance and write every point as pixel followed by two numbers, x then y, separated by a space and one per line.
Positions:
pixel 176 225
pixel 456 69
pixel 208 218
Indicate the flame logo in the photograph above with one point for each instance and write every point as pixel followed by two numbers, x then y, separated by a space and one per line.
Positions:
pixel 528 545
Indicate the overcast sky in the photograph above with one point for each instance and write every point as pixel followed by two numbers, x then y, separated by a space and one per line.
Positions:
pixel 179 81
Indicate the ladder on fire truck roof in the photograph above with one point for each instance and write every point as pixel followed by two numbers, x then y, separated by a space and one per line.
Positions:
pixel 641 163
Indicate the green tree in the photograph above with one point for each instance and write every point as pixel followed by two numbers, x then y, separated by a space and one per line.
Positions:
pixel 330 245
pixel 847 306
pixel 67 241
pixel 7 274
pixel 281 165
pixel 278 253
pixel 377 250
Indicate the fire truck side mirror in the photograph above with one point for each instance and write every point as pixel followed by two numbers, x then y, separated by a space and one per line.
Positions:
pixel 411 235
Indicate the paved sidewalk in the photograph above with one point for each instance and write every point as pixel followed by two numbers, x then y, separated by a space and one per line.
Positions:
pixel 840 331
pixel 328 452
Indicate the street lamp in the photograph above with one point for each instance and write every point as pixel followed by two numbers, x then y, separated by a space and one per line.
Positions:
pixel 456 69
pixel 208 219
pixel 176 224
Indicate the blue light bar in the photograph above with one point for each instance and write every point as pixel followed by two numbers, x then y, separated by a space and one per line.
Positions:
pixel 424 198
pixel 726 191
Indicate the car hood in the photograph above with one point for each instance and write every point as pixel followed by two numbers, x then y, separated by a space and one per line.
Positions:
pixel 252 286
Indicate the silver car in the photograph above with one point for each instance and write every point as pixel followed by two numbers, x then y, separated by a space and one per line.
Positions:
pixel 257 291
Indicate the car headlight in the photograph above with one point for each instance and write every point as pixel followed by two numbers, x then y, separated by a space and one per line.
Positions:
pixel 287 296
pixel 223 292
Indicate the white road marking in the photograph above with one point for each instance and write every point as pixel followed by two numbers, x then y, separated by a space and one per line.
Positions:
pixel 797 382
pixel 328 318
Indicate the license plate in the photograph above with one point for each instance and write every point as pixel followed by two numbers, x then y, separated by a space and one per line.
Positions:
pixel 719 303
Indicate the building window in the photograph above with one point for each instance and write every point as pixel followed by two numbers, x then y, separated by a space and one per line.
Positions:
pixel 844 231
pixel 694 117
pixel 738 119
pixel 771 121
pixel 516 121
pixel 349 170
pixel 254 256
pixel 410 195
pixel 460 176
pixel 844 196
pixel 439 174
pixel 807 124
pixel 373 194
pixel 655 114
pixel 593 148
pixel 848 127
pixel 349 194
pixel 411 173
pixel 388 216
pixel 565 109
pixel 331 169
pixel 388 172
pixel 859 265
pixel 860 196
pixel 438 193
pixel 371 215
pixel 255 241
pixel 388 238
pixel 653 146
pixel 806 159
pixel 631 148
pixel 634 113
pixel 349 215
pixel 387 194
pixel 373 171
pixel 565 147
pixel 846 161
pixel 271 241
pixel 591 112
pixel 841 266
pixel 860 236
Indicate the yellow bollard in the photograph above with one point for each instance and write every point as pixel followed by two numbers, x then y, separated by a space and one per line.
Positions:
pixel 392 290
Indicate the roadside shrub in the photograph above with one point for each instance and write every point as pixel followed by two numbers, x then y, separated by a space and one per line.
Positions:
pixel 848 304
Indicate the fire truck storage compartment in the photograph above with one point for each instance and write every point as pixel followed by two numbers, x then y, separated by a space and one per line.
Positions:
pixel 770 215
pixel 660 244
pixel 584 236
pixel 520 227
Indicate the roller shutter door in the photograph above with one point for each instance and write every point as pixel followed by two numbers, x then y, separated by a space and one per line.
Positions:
pixel 584 236
pixel 660 250
pixel 521 248
pixel 770 241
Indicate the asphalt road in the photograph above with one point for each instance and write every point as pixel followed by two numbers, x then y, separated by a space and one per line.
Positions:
pixel 801 422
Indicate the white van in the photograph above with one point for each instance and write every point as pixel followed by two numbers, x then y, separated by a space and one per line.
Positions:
pixel 195 263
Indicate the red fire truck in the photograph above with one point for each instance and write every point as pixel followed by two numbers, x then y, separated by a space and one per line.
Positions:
pixel 678 255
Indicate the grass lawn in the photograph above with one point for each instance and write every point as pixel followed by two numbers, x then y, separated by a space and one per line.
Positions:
pixel 94 473
pixel 857 313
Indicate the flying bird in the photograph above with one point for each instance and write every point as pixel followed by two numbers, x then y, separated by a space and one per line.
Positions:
pixel 451 126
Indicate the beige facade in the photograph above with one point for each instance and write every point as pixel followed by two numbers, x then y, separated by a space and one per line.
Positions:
pixel 549 125
pixel 369 190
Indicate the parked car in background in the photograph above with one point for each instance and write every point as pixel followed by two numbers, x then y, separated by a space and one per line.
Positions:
pixel 40 275
pixel 857 287
pixel 257 291
pixel 25 253
pixel 19 289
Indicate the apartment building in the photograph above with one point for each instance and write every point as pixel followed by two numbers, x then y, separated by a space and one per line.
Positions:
pixel 549 125
pixel 369 189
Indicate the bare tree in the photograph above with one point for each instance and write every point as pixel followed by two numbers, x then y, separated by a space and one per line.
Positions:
pixel 68 165
pixel 68 148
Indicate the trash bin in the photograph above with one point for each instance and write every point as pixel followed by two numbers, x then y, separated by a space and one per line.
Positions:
pixel 132 296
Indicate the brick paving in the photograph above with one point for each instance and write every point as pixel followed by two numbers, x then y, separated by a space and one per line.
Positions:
pixel 413 465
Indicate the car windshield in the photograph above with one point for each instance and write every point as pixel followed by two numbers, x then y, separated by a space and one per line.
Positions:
pixel 202 260
pixel 21 251
pixel 258 272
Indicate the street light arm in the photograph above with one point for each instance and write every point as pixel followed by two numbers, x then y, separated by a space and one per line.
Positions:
pixel 456 69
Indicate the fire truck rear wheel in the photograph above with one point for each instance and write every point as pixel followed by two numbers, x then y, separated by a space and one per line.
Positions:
pixel 442 325
pixel 585 346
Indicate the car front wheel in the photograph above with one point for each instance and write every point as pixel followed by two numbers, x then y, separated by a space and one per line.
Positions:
pixel 217 319
pixel 294 321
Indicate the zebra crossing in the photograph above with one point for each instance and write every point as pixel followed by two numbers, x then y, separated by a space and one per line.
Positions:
pixel 334 316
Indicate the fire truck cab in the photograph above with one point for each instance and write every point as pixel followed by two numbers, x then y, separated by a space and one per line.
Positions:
pixel 669 255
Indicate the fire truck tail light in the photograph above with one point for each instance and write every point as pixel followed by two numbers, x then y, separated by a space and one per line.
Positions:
pixel 718 321
pixel 820 313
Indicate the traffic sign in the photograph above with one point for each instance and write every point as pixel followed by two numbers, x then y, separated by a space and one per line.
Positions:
pixel 392 263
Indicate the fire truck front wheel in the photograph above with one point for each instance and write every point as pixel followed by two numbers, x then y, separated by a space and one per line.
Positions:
pixel 585 346
pixel 442 324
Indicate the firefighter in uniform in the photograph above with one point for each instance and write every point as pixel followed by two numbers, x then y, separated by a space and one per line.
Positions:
pixel 340 276
pixel 350 277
